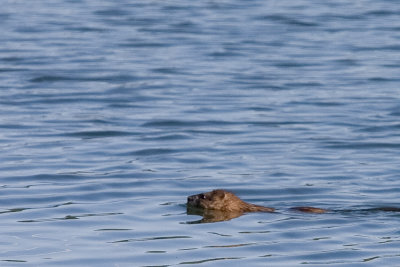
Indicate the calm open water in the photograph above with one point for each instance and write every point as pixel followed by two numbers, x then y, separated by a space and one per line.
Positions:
pixel 113 112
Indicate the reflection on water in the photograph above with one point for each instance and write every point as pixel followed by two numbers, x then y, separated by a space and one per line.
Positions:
pixel 209 216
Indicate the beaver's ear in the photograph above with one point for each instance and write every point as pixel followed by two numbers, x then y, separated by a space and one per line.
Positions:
pixel 219 193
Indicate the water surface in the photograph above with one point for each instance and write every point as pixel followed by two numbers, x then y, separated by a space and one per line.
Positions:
pixel 112 113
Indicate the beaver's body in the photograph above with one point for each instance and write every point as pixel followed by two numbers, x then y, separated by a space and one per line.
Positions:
pixel 224 201
pixel 220 205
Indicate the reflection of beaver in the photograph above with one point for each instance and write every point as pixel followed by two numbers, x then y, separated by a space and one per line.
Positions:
pixel 221 205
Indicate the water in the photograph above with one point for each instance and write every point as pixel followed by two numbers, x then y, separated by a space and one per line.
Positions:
pixel 113 112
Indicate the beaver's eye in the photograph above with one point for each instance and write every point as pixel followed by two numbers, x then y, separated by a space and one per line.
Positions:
pixel 202 196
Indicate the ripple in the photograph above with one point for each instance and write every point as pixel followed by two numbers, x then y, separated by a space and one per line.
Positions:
pixel 151 239
pixel 179 123
pixel 98 134
pixel 154 151
pixel 209 260
pixel 69 217
pixel 289 20
pixel 361 145
pixel 59 78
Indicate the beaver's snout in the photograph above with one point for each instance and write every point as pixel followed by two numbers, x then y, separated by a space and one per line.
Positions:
pixel 193 200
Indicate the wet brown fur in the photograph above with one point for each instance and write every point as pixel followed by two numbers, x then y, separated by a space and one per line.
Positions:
pixel 309 209
pixel 225 201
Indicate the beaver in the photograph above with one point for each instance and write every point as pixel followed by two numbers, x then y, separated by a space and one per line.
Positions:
pixel 221 205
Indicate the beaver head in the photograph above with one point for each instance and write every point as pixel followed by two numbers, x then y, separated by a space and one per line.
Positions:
pixel 215 200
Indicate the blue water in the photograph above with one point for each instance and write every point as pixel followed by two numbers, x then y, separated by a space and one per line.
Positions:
pixel 113 112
